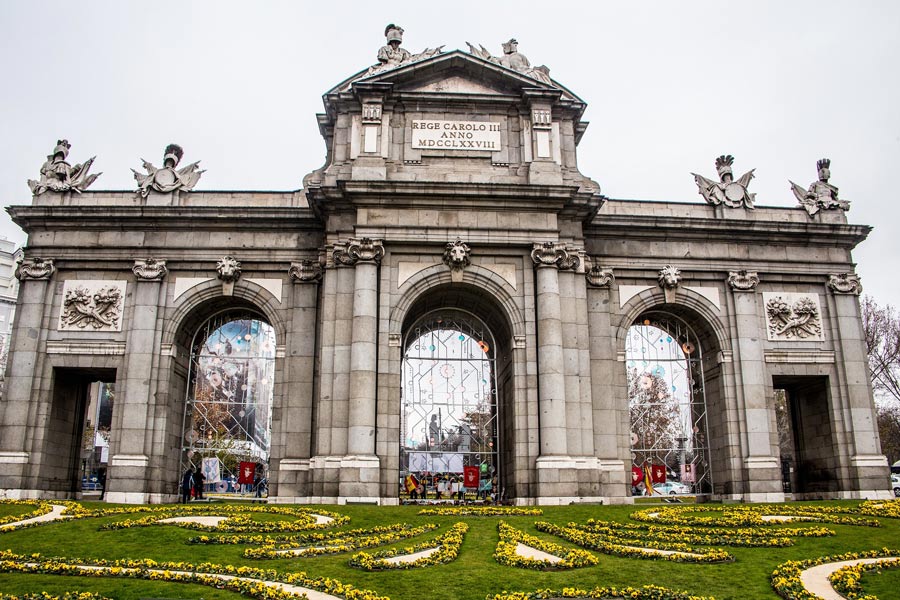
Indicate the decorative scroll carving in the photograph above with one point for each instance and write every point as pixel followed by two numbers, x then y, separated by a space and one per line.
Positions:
pixel 59 176
pixel 598 277
pixel 92 304
pixel 305 271
pixel 358 250
pixel 34 268
pixel 743 280
pixel 731 193
pixel 845 283
pixel 552 254
pixel 513 59
pixel 793 316
pixel 821 195
pixel 228 269
pixel 168 179
pixel 669 277
pixel 150 269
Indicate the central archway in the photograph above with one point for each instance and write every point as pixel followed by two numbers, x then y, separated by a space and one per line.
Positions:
pixel 449 420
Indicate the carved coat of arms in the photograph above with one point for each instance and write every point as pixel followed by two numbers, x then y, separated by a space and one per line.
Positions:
pixel 92 305
pixel 791 316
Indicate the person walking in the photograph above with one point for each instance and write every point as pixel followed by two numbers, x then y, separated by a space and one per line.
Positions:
pixel 187 484
pixel 198 484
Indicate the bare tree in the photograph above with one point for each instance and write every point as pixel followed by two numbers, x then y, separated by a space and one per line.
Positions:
pixel 881 325
pixel 889 430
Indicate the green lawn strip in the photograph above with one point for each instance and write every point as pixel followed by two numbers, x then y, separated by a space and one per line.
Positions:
pixel 472 576
pixel 883 583
pixel 14 510
pixel 111 587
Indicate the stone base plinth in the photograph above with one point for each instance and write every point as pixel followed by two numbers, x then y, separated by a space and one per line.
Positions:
pixel 762 480
pixel 126 479
pixel 360 479
pixel 291 478
pixel 578 479
pixel 324 477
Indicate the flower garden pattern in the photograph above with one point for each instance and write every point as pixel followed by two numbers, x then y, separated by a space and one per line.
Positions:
pixel 691 533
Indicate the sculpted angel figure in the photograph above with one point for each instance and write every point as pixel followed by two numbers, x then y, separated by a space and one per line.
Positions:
pixel 731 193
pixel 168 179
pixel 59 176
pixel 821 195
pixel 513 59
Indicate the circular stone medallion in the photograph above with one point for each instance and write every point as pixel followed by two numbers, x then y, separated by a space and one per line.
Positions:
pixel 166 177
pixel 735 192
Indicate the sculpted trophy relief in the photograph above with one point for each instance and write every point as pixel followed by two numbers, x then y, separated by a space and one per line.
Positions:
pixel 513 59
pixel 392 55
pixel 821 195
pixel 168 178
pixel 59 176
pixel 727 191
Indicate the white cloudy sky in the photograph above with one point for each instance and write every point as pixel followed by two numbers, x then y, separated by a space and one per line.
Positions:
pixel 670 86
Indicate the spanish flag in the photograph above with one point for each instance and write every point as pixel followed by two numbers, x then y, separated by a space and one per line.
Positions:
pixel 411 483
pixel 648 479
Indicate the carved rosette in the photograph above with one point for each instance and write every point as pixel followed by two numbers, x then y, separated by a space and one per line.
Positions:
pixel 150 270
pixel 792 316
pixel 92 304
pixel 669 277
pixel 552 254
pixel 598 277
pixel 358 250
pixel 34 269
pixel 228 269
pixel 845 283
pixel 305 271
pixel 743 280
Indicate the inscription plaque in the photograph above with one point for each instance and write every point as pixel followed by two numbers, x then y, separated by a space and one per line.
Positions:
pixel 456 135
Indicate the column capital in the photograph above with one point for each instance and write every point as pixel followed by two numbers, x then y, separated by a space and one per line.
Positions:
pixel 358 250
pixel 743 280
pixel 35 269
pixel 845 283
pixel 555 254
pixel 599 277
pixel 305 271
pixel 151 269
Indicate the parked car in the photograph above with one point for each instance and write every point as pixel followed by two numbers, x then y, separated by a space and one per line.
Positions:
pixel 671 488
pixel 895 484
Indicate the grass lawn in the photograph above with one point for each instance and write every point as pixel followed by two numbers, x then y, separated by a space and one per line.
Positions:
pixel 474 574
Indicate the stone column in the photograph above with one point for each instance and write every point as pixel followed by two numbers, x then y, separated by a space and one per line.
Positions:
pixel 360 468
pixel 762 470
pixel 130 455
pixel 22 376
pixel 291 461
pixel 857 422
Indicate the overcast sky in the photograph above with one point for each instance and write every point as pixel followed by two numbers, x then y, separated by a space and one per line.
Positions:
pixel 669 86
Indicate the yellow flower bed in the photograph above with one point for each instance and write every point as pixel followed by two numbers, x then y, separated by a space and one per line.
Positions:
pixel 448 549
pixel 786 576
pixel 648 592
pixel 741 537
pixel 338 542
pixel 510 537
pixel 481 511
pixel 41 507
pixel 636 548
pixel 750 515
pixel 46 596
pixel 238 518
pixel 845 581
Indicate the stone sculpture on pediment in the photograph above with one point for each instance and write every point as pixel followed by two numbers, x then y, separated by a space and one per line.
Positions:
pixel 94 305
pixel 35 269
pixel 57 175
pixel 845 283
pixel 727 191
pixel 168 178
pixel 392 55
pixel 305 271
pixel 793 316
pixel 743 280
pixel 228 269
pixel 821 195
pixel 513 59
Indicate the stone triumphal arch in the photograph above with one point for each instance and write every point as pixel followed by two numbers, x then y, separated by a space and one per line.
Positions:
pixel 447 296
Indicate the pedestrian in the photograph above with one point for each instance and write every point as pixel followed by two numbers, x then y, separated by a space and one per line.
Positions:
pixel 101 475
pixel 187 484
pixel 198 484
pixel 259 484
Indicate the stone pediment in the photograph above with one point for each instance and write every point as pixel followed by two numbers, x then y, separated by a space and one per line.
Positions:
pixel 455 72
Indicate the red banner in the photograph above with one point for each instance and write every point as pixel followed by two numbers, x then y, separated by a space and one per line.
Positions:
pixel 636 475
pixel 246 471
pixel 411 483
pixel 470 477
pixel 658 473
